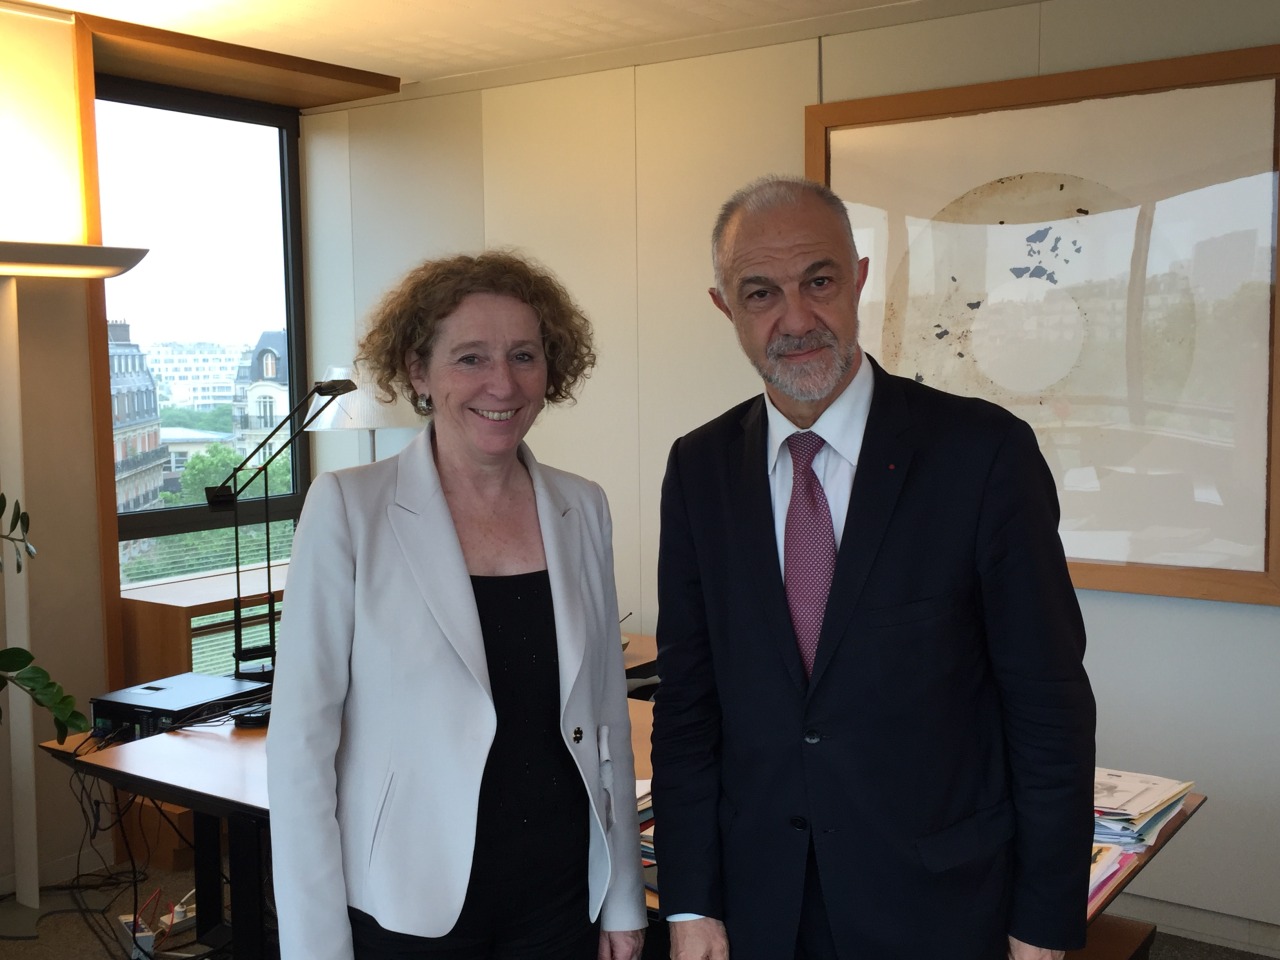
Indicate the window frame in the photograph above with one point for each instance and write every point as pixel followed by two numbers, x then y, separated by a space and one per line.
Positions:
pixel 169 521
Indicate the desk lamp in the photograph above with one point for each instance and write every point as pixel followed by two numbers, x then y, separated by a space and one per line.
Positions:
pixel 364 409
pixel 226 496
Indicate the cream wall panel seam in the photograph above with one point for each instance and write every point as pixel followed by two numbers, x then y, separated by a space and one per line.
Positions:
pixel 329 266
pixel 559 186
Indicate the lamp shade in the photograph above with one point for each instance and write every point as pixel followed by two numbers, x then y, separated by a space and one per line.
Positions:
pixel 83 260
pixel 362 409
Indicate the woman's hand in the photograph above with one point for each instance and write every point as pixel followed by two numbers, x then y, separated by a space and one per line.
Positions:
pixel 620 944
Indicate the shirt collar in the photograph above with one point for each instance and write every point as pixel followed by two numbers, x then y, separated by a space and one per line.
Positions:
pixel 841 425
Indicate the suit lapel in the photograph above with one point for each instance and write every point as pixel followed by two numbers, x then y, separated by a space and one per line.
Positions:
pixel 423 527
pixel 760 544
pixel 883 464
pixel 562 541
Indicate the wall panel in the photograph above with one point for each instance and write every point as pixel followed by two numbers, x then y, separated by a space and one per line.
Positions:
pixel 559 186
pixel 704 128
pixel 974 48
pixel 1079 34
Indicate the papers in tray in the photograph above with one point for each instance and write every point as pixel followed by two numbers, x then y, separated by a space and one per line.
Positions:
pixel 644 811
pixel 1106 860
pixel 1130 808
pixel 1133 795
pixel 1109 862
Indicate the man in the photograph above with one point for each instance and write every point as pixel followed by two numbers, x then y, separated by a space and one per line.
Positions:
pixel 874 734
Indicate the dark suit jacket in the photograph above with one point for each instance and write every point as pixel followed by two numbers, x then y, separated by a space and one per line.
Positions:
pixel 940 759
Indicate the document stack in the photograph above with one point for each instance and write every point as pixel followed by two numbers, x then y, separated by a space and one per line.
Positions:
pixel 644 811
pixel 1108 861
pixel 1128 811
pixel 1130 808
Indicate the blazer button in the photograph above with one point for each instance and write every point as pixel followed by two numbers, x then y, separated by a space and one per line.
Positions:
pixel 812 736
pixel 577 734
pixel 800 823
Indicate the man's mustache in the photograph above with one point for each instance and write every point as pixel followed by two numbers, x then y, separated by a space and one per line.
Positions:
pixel 784 344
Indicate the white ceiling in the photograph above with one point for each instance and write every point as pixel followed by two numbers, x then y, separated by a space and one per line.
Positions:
pixel 426 40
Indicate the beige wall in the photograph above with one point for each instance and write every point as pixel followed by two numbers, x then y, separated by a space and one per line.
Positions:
pixel 612 179
pixel 64 580
pixel 41 199
pixel 559 184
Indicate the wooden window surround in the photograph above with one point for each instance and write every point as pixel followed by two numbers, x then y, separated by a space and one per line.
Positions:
pixel 193 63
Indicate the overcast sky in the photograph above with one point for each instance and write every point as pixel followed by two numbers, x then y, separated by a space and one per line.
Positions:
pixel 203 195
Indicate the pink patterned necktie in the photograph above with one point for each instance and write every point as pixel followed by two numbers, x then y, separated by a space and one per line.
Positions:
pixel 809 547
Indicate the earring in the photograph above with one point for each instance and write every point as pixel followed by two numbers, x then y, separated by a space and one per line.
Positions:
pixel 424 405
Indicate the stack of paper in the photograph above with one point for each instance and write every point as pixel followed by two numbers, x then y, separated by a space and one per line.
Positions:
pixel 644 810
pixel 1106 862
pixel 1130 808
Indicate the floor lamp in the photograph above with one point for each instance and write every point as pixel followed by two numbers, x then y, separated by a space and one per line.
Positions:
pixel 30 260
pixel 364 409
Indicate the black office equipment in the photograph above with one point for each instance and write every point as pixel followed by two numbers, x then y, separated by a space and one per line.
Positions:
pixel 150 708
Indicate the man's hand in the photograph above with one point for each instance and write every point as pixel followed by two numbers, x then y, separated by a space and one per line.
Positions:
pixel 620 944
pixel 701 939
pixel 1025 951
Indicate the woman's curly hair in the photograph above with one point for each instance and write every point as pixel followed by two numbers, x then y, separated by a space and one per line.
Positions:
pixel 409 318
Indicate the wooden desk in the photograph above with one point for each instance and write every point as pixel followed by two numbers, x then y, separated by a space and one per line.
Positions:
pixel 640 653
pixel 641 729
pixel 220 772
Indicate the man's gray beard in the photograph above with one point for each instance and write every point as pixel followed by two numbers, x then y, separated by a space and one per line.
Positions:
pixel 815 380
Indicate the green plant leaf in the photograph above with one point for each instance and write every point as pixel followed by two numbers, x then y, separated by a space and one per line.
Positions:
pixel 13 659
pixel 17 559
pixel 4 502
pixel 78 722
pixel 25 522
pixel 31 551
pixel 32 677
pixel 60 729
pixel 48 695
pixel 17 515
pixel 65 706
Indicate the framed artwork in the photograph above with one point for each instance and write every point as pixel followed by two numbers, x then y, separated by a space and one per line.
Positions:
pixel 1096 252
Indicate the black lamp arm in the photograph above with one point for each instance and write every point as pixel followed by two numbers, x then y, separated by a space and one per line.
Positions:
pixel 223 496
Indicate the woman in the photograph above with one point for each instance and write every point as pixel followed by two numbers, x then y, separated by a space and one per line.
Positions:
pixel 449 759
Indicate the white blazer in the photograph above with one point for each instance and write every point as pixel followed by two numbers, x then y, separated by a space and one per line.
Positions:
pixel 382 713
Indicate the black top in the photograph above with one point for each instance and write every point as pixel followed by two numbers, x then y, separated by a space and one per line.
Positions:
pixel 533 806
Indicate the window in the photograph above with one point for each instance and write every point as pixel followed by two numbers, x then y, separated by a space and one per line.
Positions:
pixel 210 186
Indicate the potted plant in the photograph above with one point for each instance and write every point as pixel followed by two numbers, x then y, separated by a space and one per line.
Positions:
pixel 17 668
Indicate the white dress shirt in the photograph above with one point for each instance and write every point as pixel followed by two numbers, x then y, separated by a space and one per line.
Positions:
pixel 841 426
